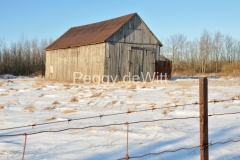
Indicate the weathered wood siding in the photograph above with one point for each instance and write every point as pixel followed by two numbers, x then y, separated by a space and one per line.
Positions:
pixel 89 60
pixel 121 58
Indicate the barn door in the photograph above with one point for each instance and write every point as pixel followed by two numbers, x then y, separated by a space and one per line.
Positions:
pixel 142 62
pixel 148 64
pixel 136 63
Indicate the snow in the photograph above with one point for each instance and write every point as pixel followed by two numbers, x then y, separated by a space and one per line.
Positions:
pixel 26 101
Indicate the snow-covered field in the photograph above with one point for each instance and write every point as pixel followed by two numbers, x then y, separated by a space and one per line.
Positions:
pixel 26 101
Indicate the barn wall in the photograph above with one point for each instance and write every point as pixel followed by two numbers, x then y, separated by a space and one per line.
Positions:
pixel 89 60
pixel 134 33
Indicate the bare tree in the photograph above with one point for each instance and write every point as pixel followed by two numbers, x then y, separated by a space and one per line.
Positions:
pixel 175 45
pixel 217 48
pixel 205 49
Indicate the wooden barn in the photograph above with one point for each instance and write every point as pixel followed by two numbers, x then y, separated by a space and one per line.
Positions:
pixel 116 47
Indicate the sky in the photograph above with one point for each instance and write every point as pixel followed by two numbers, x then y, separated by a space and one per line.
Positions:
pixel 45 19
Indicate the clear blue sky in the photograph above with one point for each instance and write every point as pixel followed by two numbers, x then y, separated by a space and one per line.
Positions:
pixel 51 18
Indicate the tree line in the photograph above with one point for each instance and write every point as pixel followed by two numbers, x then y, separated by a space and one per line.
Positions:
pixel 211 53
pixel 24 57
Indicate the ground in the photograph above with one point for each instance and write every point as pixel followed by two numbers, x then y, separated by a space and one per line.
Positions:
pixel 27 101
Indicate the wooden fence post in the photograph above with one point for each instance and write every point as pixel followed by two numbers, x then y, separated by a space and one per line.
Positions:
pixel 24 148
pixel 127 157
pixel 203 99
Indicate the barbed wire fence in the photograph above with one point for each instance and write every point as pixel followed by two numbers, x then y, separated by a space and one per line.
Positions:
pixel 203 118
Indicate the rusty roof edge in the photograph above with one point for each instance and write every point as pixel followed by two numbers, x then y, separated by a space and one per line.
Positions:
pixel 104 20
pixel 75 46
pixel 55 41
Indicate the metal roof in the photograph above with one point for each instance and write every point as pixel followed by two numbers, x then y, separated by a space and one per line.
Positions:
pixel 89 34
pixel 92 33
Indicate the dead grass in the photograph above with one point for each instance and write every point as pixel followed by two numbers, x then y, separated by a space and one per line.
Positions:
pixel 51 118
pixel 121 102
pixel 41 95
pixel 185 73
pixel 134 104
pixel 176 101
pixel 3 94
pixel 114 102
pixel 49 108
pixel 108 104
pixel 14 89
pixel 168 94
pixel 68 111
pixel 29 109
pixel 39 82
pixel 74 99
pixel 130 96
pixel 231 69
pixel 152 104
pixel 132 87
pixel 96 95
pixel 1 82
pixel 166 111
pixel 67 86
pixel 115 129
pixel 1 107
pixel 55 103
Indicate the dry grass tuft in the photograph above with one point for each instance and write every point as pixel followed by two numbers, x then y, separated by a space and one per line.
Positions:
pixel 152 104
pixel 176 101
pixel 1 107
pixel 96 95
pixel 51 118
pixel 130 96
pixel 166 111
pixel 132 87
pixel 41 95
pixel 67 86
pixel 1 82
pixel 121 102
pixel 30 109
pixel 56 102
pixel 74 99
pixel 3 94
pixel 14 89
pixel 114 102
pixel 39 82
pixel 49 108
pixel 168 94
pixel 69 111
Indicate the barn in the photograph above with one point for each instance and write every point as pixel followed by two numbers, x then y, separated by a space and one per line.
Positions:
pixel 118 48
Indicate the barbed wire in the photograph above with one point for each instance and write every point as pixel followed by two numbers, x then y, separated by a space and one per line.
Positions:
pixel 121 113
pixel 101 115
pixel 116 124
pixel 179 149
pixel 224 100
pixel 99 126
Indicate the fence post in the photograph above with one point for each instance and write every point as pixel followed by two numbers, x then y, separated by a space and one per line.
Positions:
pixel 203 99
pixel 24 148
pixel 127 157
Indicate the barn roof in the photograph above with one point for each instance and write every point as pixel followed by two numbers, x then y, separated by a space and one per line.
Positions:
pixel 90 34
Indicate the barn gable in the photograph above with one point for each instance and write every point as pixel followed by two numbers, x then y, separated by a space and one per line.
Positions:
pixel 129 31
